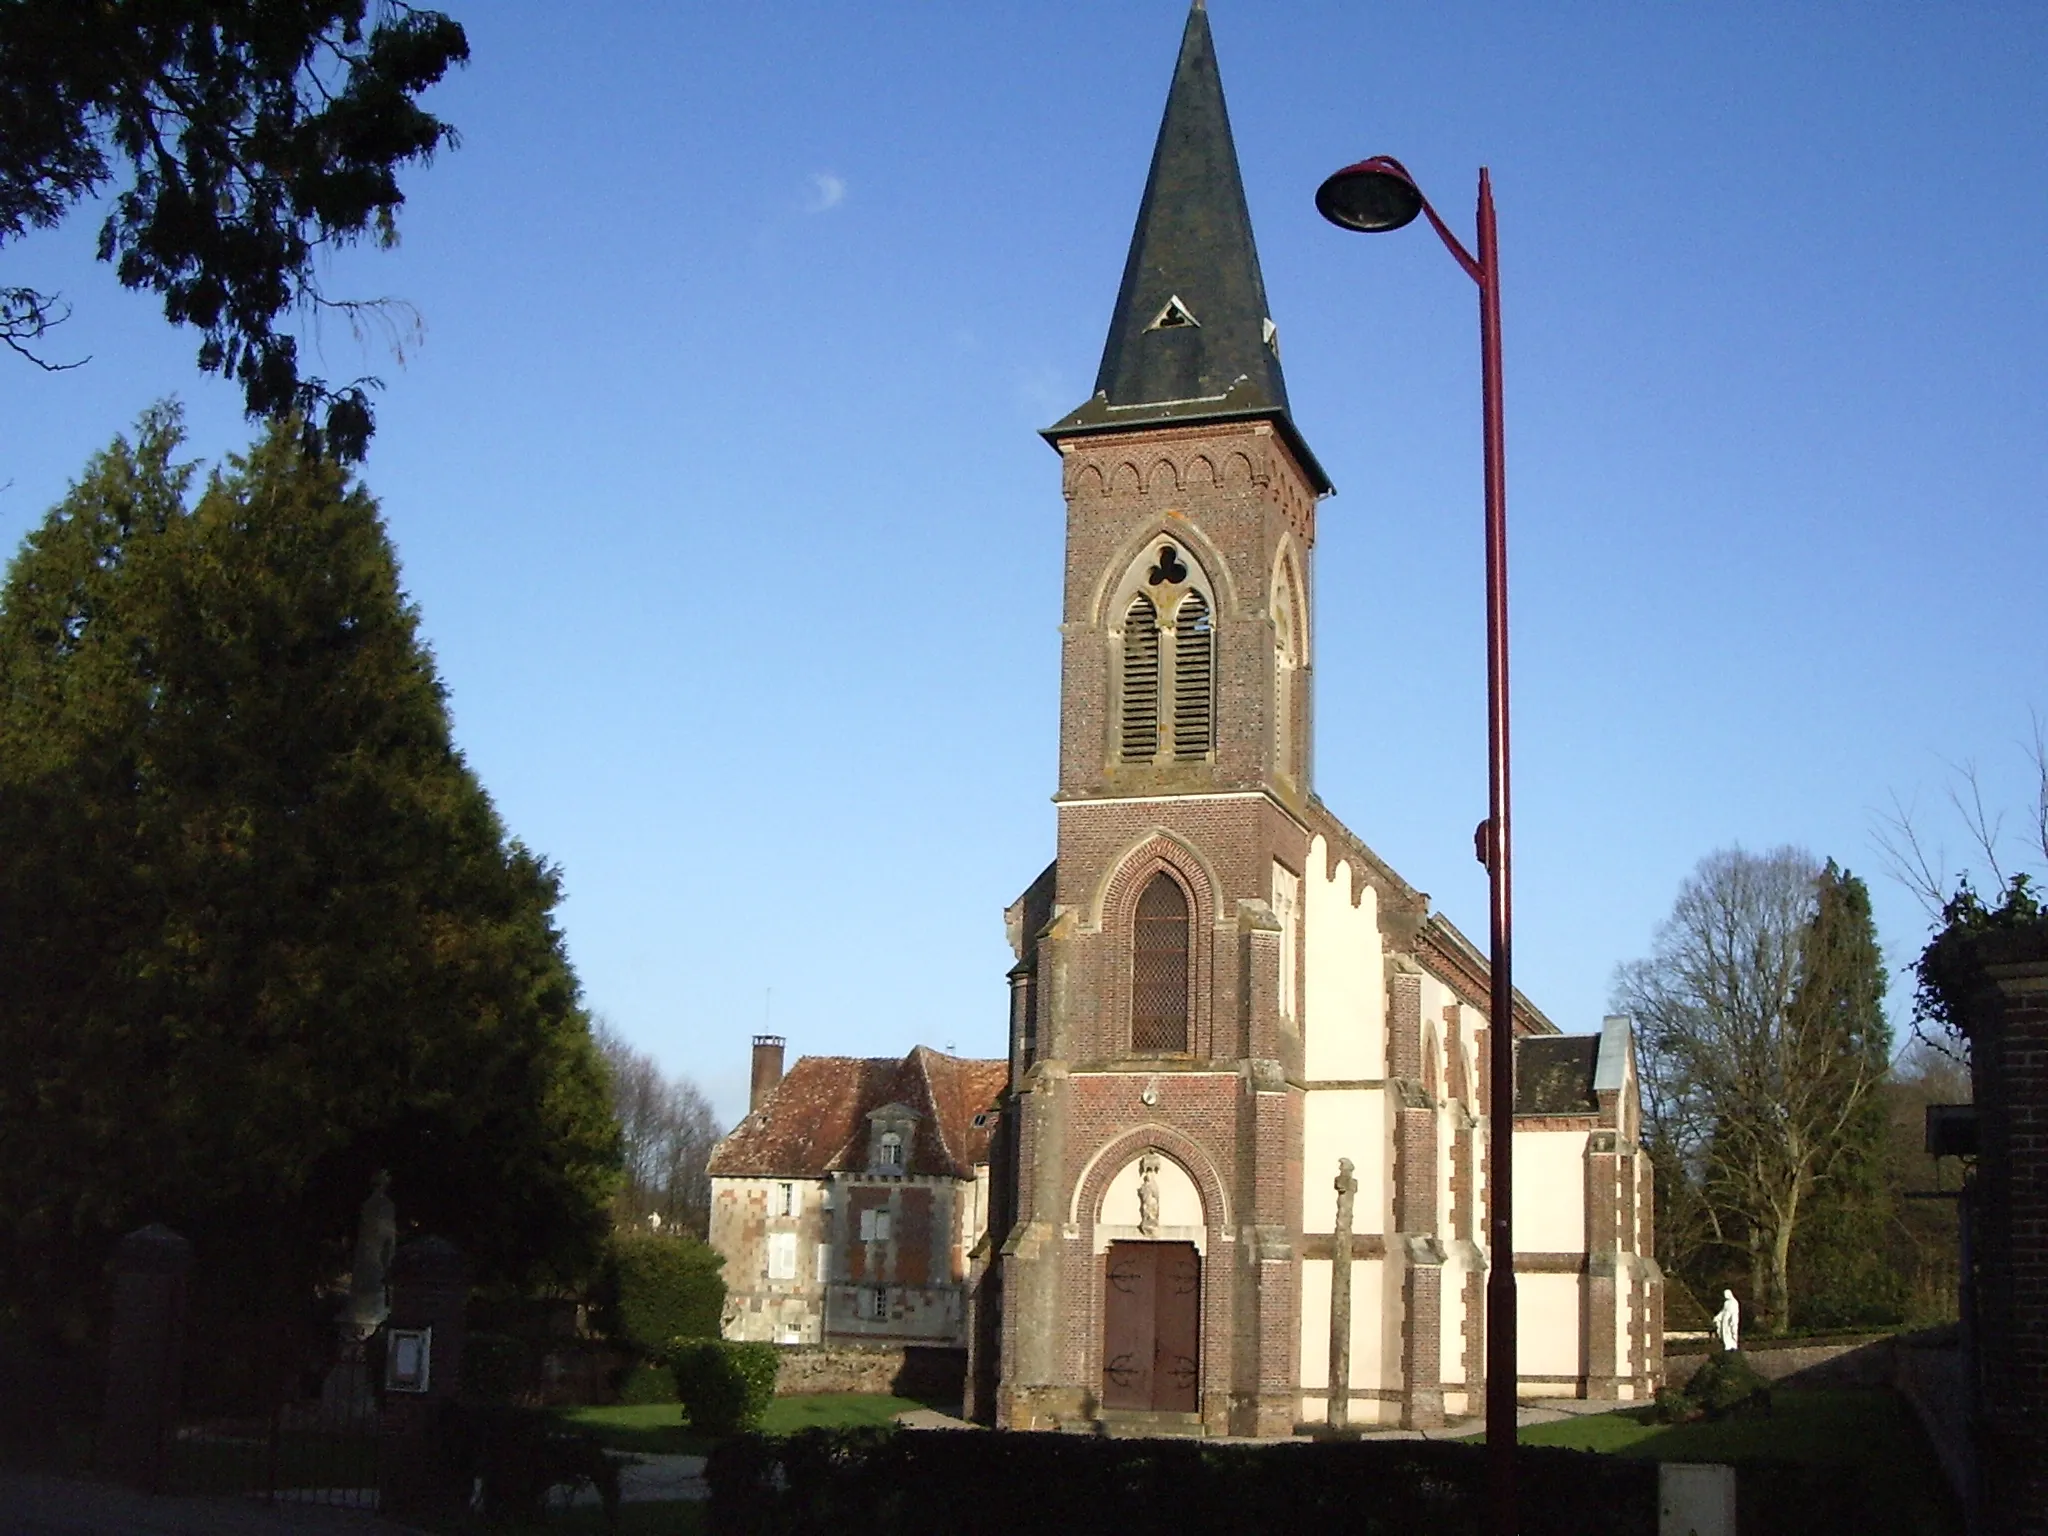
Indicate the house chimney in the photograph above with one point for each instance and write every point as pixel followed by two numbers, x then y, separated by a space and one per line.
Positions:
pixel 767 1070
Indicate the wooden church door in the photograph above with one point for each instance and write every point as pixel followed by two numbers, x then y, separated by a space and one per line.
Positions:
pixel 1152 1327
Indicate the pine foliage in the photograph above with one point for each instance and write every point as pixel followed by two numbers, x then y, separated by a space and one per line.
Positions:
pixel 263 930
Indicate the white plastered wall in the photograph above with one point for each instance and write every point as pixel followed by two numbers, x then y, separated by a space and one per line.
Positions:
pixel 1550 1191
pixel 1372 1368
pixel 1547 1329
pixel 1344 989
pixel 1338 1123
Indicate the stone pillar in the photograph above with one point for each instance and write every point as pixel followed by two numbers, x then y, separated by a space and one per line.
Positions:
pixel 2008 1033
pixel 1603 1277
pixel 152 1270
pixel 429 1283
pixel 1340 1299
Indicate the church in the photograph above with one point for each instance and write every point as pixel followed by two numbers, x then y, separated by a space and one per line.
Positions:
pixel 1239 1176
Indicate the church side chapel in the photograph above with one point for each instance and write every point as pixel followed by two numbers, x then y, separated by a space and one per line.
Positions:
pixel 1240 1180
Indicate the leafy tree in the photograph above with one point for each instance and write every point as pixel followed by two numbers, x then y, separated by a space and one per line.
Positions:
pixel 667 1130
pixel 263 933
pixel 1763 1041
pixel 246 138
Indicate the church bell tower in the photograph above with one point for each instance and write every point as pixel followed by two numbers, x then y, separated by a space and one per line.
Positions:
pixel 1155 1002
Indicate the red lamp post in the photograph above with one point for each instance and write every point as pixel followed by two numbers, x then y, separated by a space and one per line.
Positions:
pixel 1372 196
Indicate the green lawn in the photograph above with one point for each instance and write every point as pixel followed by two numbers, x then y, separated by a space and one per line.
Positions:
pixel 657 1428
pixel 1872 1430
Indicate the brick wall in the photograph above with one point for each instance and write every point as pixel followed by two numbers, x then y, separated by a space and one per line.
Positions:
pixel 2009 1069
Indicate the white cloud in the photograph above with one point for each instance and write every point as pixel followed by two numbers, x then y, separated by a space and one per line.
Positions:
pixel 827 192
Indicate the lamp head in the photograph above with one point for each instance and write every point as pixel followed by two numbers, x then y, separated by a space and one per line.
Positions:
pixel 1371 196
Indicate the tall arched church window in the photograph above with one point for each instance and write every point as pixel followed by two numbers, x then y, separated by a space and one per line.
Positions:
pixel 1194 665
pixel 1159 968
pixel 1140 728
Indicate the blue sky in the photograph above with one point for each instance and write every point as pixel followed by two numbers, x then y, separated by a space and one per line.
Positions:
pixel 716 480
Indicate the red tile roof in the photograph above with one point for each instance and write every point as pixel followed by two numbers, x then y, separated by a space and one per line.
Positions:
pixel 816 1120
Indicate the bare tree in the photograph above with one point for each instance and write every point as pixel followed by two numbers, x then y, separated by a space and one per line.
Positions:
pixel 668 1129
pixel 1752 1073
pixel 1920 860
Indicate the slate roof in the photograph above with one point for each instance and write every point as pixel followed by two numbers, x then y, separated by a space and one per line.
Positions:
pixel 1192 260
pixel 816 1121
pixel 1554 1074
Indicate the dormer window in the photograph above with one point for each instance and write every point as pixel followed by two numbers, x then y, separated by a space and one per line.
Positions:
pixel 891 1131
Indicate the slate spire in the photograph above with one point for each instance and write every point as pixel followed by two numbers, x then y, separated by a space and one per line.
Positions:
pixel 1191 338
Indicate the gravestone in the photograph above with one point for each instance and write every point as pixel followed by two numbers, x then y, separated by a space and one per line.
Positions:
pixel 152 1269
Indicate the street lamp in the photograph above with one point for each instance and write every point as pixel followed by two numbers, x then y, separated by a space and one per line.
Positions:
pixel 1373 196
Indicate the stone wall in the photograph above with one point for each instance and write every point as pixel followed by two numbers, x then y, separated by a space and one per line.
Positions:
pixel 928 1373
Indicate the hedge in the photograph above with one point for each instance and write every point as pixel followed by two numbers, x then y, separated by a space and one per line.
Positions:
pixel 937 1483
pixel 926 1483
pixel 725 1387
pixel 661 1288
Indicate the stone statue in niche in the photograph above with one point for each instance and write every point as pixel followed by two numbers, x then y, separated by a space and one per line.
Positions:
pixel 1148 1195
pixel 1728 1322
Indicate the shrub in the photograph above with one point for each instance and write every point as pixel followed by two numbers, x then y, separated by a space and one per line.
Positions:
pixel 648 1384
pixel 495 1367
pixel 662 1288
pixel 1724 1384
pixel 724 1387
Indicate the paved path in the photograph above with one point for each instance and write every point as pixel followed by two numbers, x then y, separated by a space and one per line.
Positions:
pixel 34 1504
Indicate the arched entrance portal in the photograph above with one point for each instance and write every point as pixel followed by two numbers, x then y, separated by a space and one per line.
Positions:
pixel 1152 1327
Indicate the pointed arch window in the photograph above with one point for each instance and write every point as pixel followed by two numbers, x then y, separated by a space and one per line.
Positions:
pixel 1159 967
pixel 1140 729
pixel 1194 666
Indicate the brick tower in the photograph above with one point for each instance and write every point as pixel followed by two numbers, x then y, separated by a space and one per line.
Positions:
pixel 1152 1007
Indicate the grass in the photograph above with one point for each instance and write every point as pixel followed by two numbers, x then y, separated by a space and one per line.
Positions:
pixel 1870 1430
pixel 658 1429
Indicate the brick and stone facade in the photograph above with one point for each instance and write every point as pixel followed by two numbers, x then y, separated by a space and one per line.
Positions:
pixel 849 1201
pixel 1223 1001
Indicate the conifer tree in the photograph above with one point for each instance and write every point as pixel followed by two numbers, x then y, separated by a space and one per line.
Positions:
pixel 262 932
pixel 1840 1269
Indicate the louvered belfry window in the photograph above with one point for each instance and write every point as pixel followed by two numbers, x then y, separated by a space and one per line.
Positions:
pixel 1194 651
pixel 1159 968
pixel 1140 730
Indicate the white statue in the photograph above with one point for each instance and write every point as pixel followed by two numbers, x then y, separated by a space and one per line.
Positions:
pixel 1728 1322
pixel 654 1222
pixel 369 1303
pixel 1148 1194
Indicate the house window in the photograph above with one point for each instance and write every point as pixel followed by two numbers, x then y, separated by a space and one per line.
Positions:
pixel 1140 734
pixel 874 1304
pixel 782 1256
pixel 785 1200
pixel 1159 968
pixel 892 1150
pixel 874 1225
